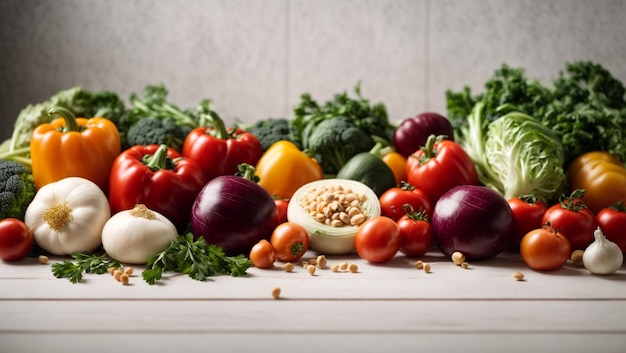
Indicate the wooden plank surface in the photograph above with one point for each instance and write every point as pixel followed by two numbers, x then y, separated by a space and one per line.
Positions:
pixel 381 307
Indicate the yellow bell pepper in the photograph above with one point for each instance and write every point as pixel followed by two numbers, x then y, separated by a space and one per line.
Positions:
pixel 284 168
pixel 602 175
pixel 70 146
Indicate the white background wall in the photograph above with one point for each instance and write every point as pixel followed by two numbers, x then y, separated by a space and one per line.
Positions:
pixel 255 57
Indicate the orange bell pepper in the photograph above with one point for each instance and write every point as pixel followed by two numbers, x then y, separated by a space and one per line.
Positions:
pixel 70 146
pixel 284 168
pixel 602 176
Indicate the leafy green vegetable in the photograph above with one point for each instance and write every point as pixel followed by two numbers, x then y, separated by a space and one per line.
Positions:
pixel 86 262
pixel 17 189
pixel 589 112
pixel 197 259
pixel 585 108
pixel 372 120
pixel 153 104
pixel 271 130
pixel 516 155
pixel 157 131
pixel 334 141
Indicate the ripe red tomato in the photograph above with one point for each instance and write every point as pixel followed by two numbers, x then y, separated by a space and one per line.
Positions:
pixel 16 239
pixel 290 241
pixel 612 222
pixel 262 254
pixel 377 239
pixel 545 249
pixel 281 206
pixel 393 200
pixel 416 234
pixel 527 215
pixel 572 218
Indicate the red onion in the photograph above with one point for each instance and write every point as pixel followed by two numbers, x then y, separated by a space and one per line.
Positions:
pixel 475 220
pixel 412 133
pixel 234 213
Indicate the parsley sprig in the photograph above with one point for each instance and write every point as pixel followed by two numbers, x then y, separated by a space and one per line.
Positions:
pixel 86 262
pixel 195 258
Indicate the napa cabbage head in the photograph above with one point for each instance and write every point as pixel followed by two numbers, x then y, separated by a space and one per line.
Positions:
pixel 525 156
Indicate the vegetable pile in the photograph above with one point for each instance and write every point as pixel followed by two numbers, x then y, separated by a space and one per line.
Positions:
pixel 522 167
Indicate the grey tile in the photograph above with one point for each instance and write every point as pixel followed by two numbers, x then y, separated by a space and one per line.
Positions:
pixel 470 39
pixel 335 44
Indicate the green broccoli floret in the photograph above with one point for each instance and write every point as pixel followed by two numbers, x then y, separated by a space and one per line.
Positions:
pixel 334 141
pixel 271 130
pixel 17 189
pixel 149 131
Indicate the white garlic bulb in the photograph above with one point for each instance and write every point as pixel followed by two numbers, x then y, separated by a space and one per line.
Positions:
pixel 602 257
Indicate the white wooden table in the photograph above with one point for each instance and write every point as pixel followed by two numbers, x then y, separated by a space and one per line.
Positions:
pixel 383 308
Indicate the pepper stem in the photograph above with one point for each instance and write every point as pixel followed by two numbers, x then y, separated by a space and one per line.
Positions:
pixel 247 171
pixel 158 160
pixel 70 119
pixel 219 128
pixel 429 148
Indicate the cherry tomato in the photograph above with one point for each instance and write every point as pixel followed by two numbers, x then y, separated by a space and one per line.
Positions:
pixel 545 249
pixel 377 239
pixel 416 234
pixel 16 239
pixel 262 254
pixel 281 206
pixel 527 215
pixel 393 200
pixel 290 241
pixel 572 218
pixel 612 222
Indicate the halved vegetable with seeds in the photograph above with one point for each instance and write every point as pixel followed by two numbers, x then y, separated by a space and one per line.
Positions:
pixel 331 211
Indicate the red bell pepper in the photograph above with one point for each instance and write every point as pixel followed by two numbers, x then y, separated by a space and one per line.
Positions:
pixel 219 150
pixel 158 177
pixel 439 166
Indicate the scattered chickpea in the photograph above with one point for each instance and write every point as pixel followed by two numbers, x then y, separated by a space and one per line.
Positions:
pixel 353 268
pixel 343 266
pixel 112 270
pixel 313 262
pixel 427 268
pixel 577 257
pixel 128 271
pixel 311 269
pixel 419 264
pixel 464 265
pixel 117 274
pixel 335 268
pixel 276 293
pixel 321 261
pixel 124 279
pixel 518 276
pixel 458 258
pixel 288 267
pixel 43 259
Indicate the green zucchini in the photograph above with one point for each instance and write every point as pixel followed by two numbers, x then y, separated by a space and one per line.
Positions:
pixel 370 170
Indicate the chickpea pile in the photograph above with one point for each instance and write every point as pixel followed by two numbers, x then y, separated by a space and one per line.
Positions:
pixel 335 205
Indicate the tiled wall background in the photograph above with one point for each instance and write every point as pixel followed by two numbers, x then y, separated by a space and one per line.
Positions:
pixel 255 57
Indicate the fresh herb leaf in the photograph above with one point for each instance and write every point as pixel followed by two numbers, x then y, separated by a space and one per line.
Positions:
pixel 86 262
pixel 195 258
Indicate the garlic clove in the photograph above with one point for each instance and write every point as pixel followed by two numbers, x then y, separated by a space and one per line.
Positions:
pixel 602 257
